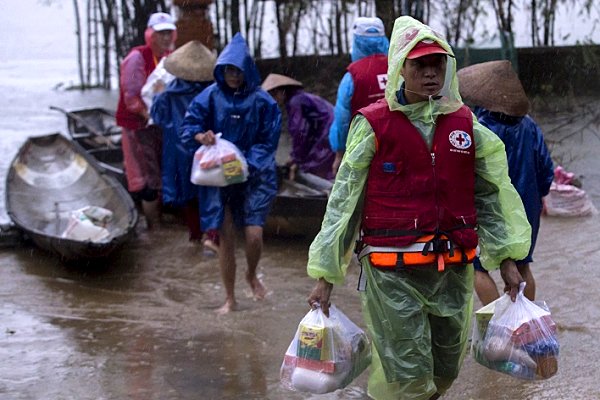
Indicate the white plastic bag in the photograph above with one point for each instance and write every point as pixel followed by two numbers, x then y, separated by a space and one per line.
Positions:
pixel 88 223
pixel 156 83
pixel 326 354
pixel 520 339
pixel 220 164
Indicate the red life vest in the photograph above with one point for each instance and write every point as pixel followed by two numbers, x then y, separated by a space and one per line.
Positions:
pixel 126 118
pixel 413 192
pixel 369 75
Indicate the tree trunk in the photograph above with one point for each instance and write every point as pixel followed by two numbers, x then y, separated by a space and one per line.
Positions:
pixel 234 16
pixel 385 11
pixel 338 28
pixel 280 4
pixel 79 54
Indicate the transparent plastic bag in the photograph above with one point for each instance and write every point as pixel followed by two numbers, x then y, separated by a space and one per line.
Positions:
pixel 326 354
pixel 88 223
pixel 156 83
pixel 519 340
pixel 220 164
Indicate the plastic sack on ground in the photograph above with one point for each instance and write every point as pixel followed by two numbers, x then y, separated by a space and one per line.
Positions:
pixel 326 354
pixel 519 340
pixel 568 201
pixel 220 164
pixel 566 198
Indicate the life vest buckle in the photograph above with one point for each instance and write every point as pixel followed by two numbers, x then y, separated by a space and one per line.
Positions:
pixel 437 245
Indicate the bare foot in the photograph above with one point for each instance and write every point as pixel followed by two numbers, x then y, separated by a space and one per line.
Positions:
pixel 230 305
pixel 211 246
pixel 259 291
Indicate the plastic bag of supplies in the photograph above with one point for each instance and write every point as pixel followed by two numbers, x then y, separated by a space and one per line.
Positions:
pixel 220 164
pixel 519 340
pixel 326 354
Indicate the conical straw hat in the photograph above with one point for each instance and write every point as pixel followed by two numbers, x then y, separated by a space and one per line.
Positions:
pixel 276 80
pixel 493 85
pixel 193 62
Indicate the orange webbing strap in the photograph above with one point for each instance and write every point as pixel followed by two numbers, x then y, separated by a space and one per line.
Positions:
pixel 390 260
pixel 440 262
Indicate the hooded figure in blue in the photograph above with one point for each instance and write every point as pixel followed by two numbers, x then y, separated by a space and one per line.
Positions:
pixel 369 41
pixel 236 106
pixel 192 65
pixel 500 103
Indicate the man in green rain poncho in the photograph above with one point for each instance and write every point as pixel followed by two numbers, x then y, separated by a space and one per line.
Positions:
pixel 423 185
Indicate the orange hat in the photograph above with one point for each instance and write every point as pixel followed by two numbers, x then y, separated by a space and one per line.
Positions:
pixel 425 48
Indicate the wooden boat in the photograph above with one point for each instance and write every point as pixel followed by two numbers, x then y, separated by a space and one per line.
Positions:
pixel 50 181
pixel 96 131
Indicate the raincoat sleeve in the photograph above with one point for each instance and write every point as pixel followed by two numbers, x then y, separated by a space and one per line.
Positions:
pixel 261 153
pixel 160 111
pixel 503 229
pixel 338 133
pixel 331 251
pixel 133 77
pixel 195 120
pixel 544 164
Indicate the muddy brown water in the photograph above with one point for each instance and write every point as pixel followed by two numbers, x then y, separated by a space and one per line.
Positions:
pixel 141 324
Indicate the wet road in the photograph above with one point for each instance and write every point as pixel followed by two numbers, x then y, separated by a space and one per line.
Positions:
pixel 141 324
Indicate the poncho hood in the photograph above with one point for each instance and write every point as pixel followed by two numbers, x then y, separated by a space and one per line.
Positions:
pixel 237 53
pixel 363 46
pixel 406 34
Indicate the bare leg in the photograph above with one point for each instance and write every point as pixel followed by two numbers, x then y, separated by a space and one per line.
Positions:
pixel 227 262
pixel 151 211
pixel 528 276
pixel 254 244
pixel 485 287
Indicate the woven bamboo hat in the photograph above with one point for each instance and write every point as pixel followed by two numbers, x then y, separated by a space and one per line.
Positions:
pixel 493 85
pixel 193 62
pixel 274 81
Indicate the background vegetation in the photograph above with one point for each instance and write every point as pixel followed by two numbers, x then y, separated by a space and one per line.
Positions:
pixel 107 29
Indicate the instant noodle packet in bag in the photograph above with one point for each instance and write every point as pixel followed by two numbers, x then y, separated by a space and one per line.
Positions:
pixel 220 164
pixel 325 354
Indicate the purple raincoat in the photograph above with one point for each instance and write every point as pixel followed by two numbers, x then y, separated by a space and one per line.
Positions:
pixel 309 120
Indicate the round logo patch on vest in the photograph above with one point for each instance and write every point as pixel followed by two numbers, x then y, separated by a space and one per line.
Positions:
pixel 460 139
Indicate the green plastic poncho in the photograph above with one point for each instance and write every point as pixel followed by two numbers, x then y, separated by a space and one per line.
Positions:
pixel 405 312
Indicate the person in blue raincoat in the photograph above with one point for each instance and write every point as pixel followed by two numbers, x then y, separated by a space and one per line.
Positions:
pixel 500 103
pixel 192 65
pixel 363 83
pixel 246 115
pixel 308 120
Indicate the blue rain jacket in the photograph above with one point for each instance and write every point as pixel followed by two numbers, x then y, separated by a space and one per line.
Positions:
pixel 168 110
pixel 249 118
pixel 530 166
pixel 362 46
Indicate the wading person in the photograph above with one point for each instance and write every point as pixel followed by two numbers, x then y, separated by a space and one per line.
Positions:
pixel 500 103
pixel 141 143
pixel 419 175
pixel 247 116
pixel 192 65
pixel 308 120
pixel 363 83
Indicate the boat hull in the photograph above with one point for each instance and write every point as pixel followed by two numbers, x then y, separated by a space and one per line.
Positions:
pixel 52 177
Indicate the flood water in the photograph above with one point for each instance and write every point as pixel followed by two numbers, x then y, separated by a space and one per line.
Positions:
pixel 141 325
